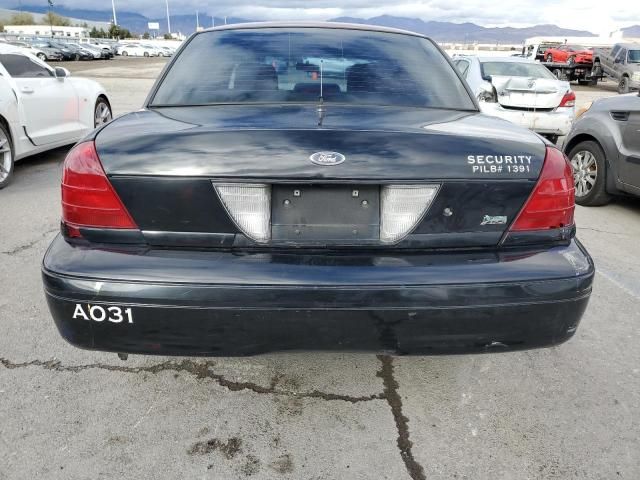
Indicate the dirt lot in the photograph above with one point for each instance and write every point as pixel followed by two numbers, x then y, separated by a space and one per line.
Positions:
pixel 566 412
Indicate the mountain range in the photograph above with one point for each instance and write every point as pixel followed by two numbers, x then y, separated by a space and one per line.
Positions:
pixel 440 31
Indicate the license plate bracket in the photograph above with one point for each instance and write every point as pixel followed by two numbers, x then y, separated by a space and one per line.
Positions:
pixel 325 214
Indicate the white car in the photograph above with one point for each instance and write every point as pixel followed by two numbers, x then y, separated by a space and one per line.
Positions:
pixel 43 108
pixel 521 91
pixel 136 50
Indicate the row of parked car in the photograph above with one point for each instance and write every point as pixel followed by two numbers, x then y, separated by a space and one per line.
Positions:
pixel 47 49
pixel 601 140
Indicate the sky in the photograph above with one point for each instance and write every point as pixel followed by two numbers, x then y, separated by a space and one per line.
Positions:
pixel 597 16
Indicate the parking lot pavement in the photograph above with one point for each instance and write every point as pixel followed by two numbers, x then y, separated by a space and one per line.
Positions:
pixel 567 412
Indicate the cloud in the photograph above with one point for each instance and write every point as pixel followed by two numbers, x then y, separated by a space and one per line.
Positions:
pixel 577 14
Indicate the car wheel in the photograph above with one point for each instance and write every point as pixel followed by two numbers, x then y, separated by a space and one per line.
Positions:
pixel 549 58
pixel 623 86
pixel 6 157
pixel 571 61
pixel 146 54
pixel 102 112
pixel 42 56
pixel 589 174
pixel 125 54
pixel 76 57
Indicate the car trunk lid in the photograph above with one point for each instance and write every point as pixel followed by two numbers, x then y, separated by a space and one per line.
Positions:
pixel 168 165
pixel 529 93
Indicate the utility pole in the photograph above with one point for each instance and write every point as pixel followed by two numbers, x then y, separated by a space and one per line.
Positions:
pixel 51 17
pixel 168 18
pixel 113 7
pixel 197 22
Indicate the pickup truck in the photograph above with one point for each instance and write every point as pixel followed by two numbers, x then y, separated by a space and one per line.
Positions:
pixel 622 63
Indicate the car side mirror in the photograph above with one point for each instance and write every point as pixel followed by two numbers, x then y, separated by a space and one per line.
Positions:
pixel 62 73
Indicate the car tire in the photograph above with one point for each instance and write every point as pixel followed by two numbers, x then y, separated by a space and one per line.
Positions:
pixel 42 57
pixel 7 157
pixel 102 112
pixel 76 57
pixel 588 162
pixel 146 54
pixel 125 54
pixel 571 61
pixel 549 58
pixel 623 85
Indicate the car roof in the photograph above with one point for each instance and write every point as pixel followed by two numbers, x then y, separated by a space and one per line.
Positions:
pixel 327 25
pixel 630 46
pixel 500 59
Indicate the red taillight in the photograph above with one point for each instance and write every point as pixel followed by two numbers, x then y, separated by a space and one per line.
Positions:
pixel 88 199
pixel 569 99
pixel 552 202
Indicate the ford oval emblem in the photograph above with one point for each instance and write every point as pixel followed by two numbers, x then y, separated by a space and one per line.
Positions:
pixel 327 158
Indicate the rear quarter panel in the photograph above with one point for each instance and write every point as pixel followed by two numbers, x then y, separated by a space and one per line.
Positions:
pixel 88 92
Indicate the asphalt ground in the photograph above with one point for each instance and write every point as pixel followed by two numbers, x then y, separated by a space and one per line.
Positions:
pixel 567 412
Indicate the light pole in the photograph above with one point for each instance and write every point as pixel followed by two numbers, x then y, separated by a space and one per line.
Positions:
pixel 168 18
pixel 113 7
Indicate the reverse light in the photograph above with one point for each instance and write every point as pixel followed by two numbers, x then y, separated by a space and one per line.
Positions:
pixel 569 99
pixel 249 205
pixel 401 208
pixel 552 203
pixel 88 199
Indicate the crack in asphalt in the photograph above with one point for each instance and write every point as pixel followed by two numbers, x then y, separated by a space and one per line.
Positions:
pixel 27 246
pixel 392 396
pixel 200 370
pixel 618 234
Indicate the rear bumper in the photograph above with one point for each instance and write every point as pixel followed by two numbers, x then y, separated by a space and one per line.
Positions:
pixel 558 122
pixel 217 303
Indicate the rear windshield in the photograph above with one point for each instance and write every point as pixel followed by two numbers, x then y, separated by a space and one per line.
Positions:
pixel 516 69
pixel 275 65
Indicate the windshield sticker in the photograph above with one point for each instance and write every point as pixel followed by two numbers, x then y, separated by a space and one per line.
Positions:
pixel 499 163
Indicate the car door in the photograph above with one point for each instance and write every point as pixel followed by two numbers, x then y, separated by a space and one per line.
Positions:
pixel 48 105
pixel 619 62
pixel 608 60
pixel 630 168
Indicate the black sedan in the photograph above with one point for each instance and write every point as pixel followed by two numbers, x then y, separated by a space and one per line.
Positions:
pixel 315 186
pixel 604 149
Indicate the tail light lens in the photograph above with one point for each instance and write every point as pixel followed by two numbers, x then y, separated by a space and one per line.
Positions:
pixel 401 208
pixel 552 203
pixel 88 199
pixel 569 99
pixel 249 205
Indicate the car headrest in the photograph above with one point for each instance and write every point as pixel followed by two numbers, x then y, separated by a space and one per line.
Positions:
pixel 361 77
pixel 328 89
pixel 255 76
